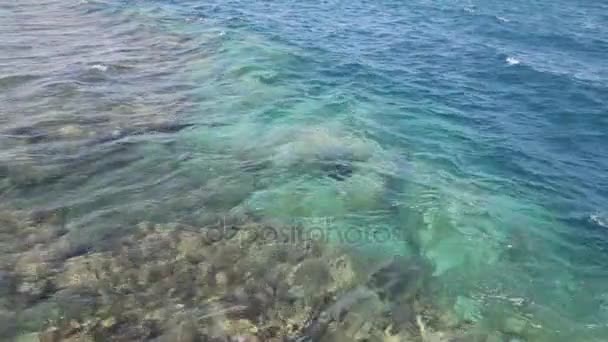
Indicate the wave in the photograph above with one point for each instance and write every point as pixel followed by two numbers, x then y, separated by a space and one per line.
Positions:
pixel 599 220
pixel 99 67
pixel 512 61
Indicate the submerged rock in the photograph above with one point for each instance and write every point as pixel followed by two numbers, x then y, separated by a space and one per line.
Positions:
pixel 400 278
pixel 184 332
pixel 8 223
pixel 8 323
pixel 320 150
pixel 468 309
pixel 514 325
pixel 80 271
pixel 338 169
pixel 311 276
pixel 34 273
pixel 171 283
pixel 50 335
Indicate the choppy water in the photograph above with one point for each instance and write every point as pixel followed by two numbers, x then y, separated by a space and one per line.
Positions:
pixel 476 130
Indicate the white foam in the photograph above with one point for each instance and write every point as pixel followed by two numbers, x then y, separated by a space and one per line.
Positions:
pixel 599 220
pixel 512 60
pixel 502 19
pixel 100 67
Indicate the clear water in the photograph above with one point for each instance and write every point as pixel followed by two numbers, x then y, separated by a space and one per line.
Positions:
pixel 476 130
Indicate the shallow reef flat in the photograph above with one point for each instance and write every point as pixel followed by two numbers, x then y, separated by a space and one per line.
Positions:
pixel 180 283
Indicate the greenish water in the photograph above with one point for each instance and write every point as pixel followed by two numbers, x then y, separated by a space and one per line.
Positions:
pixel 435 131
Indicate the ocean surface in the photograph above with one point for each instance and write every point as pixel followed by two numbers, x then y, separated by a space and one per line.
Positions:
pixel 470 134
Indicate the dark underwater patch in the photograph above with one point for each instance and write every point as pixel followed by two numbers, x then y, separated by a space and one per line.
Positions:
pixel 338 170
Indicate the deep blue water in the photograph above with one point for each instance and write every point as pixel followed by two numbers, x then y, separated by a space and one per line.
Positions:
pixel 479 128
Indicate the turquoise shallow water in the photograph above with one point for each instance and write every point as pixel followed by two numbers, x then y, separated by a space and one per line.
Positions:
pixel 471 134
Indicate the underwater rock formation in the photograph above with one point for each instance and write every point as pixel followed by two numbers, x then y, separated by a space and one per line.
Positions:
pixel 334 154
pixel 181 283
pixel 338 169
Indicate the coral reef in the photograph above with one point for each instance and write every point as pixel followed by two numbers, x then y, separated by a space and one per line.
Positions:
pixel 180 283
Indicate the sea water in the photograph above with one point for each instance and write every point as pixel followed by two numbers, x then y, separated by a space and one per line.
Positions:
pixel 469 134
